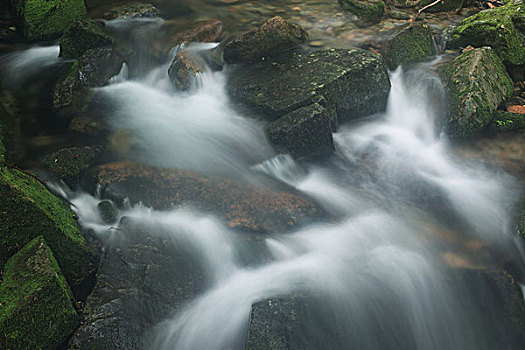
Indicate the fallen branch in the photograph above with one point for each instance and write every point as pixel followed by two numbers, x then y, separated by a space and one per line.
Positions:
pixel 11 166
pixel 420 11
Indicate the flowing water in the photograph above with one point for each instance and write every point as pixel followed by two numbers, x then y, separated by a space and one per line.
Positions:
pixel 410 218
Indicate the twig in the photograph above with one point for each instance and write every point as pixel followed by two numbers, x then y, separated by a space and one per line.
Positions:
pixel 420 11
pixel 11 166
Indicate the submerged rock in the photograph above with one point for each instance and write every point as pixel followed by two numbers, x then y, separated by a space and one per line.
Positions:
pixel 47 19
pixel 184 69
pixel 477 84
pixel 501 28
pixel 410 45
pixel 370 11
pixel 36 304
pixel 132 10
pixel 82 36
pixel 240 205
pixel 272 38
pixel 93 69
pixel 304 133
pixel 27 210
pixel 353 82
pixel 89 126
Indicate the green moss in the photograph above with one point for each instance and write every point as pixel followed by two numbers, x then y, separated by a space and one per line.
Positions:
pixel 47 19
pixel 28 209
pixel 410 45
pixel 36 310
pixel 499 28
pixel 506 121
pixel 370 11
pixel 82 36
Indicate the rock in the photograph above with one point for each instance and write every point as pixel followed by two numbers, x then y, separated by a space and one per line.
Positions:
pixel 354 83
pixel 505 121
pixel 272 38
pixel 36 304
pixel 47 19
pixel 184 69
pixel 500 28
pixel 107 212
pixel 399 15
pixel 369 11
pixel 82 36
pixel 240 206
pixel 443 6
pixel 409 45
pixel 304 133
pixel 477 83
pixel 11 143
pixel 27 210
pixel 69 164
pixel 89 126
pixel 132 10
pixel 93 69
pixel 405 3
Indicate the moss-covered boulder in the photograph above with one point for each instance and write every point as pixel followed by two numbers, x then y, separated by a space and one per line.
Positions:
pixel 409 45
pixel 82 36
pixel 93 69
pixel 506 121
pixel 132 10
pixel 107 212
pixel 443 6
pixel 501 28
pixel 369 11
pixel 36 304
pixel 304 133
pixel 239 205
pixel 47 19
pixel 272 38
pixel 27 210
pixel 477 83
pixel 354 83
pixel 69 164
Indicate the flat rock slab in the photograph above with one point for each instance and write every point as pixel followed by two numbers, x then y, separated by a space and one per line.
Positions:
pixel 354 83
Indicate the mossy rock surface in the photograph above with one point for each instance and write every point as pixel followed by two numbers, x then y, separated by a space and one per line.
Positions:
pixel 477 83
pixel 353 82
pixel 27 210
pixel 272 38
pixel 132 10
pixel 82 36
pixel 501 28
pixel 506 121
pixel 410 45
pixel 107 212
pixel 36 303
pixel 47 19
pixel 370 11
pixel 304 133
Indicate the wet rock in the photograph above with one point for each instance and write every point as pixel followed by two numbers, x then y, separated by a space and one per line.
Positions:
pixel 132 10
pixel 500 28
pixel 405 3
pixel 184 69
pixel 69 164
pixel 272 38
pixel 304 133
pixel 477 83
pixel 443 6
pixel 409 45
pixel 354 83
pixel 89 126
pixel 93 69
pixel 369 11
pixel 239 205
pixel 82 36
pixel 36 304
pixel 27 210
pixel 11 145
pixel 107 212
pixel 47 19
pixel 399 15
pixel 141 281
pixel 506 121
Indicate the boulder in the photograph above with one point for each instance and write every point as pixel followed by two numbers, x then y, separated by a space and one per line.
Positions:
pixel 82 36
pixel 107 212
pixel 304 133
pixel 501 28
pixel 132 10
pixel 477 83
pixel 369 11
pixel 443 6
pixel 272 38
pixel 69 164
pixel 409 45
pixel 506 121
pixel 240 206
pixel 353 82
pixel 47 19
pixel 27 210
pixel 184 69
pixel 93 69
pixel 36 304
